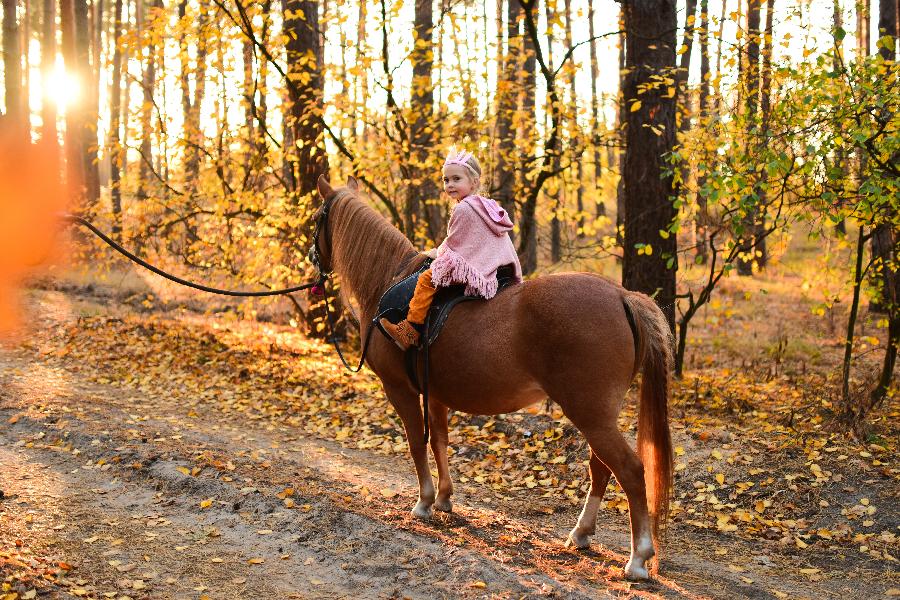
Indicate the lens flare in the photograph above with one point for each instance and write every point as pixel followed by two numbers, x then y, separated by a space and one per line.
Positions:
pixel 31 197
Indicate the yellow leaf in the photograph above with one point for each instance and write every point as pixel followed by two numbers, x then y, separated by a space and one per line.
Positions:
pixel 206 503
pixel 183 470
pixel 720 478
pixel 256 561
pixel 288 503
pixel 636 106
pixel 479 584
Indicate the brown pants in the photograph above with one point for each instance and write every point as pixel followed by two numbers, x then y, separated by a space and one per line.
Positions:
pixel 421 300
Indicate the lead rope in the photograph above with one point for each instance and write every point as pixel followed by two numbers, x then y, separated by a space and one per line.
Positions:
pixel 179 280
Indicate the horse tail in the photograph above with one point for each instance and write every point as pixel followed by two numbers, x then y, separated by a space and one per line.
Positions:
pixel 653 356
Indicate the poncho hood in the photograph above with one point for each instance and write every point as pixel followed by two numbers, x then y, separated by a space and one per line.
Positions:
pixel 494 216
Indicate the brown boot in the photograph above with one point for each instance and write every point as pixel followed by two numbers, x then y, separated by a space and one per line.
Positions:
pixel 403 333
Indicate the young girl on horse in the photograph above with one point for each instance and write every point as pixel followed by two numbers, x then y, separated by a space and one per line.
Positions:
pixel 477 244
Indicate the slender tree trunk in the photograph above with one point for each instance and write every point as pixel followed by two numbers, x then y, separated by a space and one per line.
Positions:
pixel 863 14
pixel 599 206
pixel 528 244
pixel 554 191
pixel 114 149
pixel 75 175
pixel 25 31
pixel 765 110
pixel 621 137
pixel 89 113
pixel 192 131
pixel 48 63
pixel 507 103
pixel 650 261
pixel 702 209
pixel 849 410
pixel 751 86
pixel 12 66
pixel 422 190
pixel 574 129
pixel 148 85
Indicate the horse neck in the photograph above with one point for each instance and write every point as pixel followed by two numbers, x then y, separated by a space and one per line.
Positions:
pixel 367 251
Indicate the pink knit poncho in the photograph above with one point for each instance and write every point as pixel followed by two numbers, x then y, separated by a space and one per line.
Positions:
pixel 477 244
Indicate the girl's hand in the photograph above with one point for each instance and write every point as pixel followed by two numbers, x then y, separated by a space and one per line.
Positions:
pixel 432 254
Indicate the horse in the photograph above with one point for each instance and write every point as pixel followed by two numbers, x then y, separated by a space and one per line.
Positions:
pixel 575 338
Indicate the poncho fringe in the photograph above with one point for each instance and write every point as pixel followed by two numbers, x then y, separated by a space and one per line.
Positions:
pixel 451 268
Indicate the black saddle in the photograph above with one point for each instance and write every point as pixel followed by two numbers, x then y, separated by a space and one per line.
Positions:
pixel 394 303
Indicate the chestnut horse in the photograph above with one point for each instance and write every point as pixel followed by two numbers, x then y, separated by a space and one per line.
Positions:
pixel 576 338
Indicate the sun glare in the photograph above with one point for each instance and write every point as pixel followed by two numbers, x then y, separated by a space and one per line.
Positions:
pixel 61 87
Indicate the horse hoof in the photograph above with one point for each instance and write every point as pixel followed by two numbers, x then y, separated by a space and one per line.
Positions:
pixel 634 572
pixel 422 512
pixel 579 540
pixel 443 505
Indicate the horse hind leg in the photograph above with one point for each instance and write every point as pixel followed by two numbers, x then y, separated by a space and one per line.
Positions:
pixel 611 447
pixel 437 418
pixel 587 522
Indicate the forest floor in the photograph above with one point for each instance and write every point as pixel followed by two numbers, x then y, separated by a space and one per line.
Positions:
pixel 151 451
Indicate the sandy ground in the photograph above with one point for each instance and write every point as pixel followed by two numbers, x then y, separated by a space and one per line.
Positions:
pixel 103 498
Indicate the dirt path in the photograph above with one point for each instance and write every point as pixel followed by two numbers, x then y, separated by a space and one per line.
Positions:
pixel 110 492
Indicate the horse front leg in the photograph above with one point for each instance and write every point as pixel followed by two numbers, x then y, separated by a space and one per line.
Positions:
pixel 440 437
pixel 406 403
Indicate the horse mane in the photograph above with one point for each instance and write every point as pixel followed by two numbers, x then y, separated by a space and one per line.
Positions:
pixel 366 248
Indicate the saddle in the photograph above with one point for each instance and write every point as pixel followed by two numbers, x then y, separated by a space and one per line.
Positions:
pixel 394 306
pixel 394 303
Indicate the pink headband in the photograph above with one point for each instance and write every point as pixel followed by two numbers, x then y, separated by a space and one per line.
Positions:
pixel 461 158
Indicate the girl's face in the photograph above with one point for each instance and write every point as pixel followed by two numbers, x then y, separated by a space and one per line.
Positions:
pixel 458 182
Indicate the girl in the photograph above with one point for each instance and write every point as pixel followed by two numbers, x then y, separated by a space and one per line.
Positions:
pixel 477 244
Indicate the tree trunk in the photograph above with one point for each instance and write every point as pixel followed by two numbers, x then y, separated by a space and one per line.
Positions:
pixel 553 192
pixel 114 148
pixel 89 113
pixel 702 209
pixel 747 241
pixel 48 62
pixel 192 131
pixel 599 207
pixel 620 134
pixel 650 260
pixel 503 185
pixel 16 113
pixel 575 130
pixel 886 238
pixel 863 14
pixel 883 238
pixel 422 191
pixel 148 85
pixel 528 245
pixel 304 108
pixel 73 147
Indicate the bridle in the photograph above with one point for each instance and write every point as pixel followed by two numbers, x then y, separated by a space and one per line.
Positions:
pixel 315 251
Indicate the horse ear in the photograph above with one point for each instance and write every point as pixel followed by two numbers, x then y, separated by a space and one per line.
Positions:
pixel 353 183
pixel 324 187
